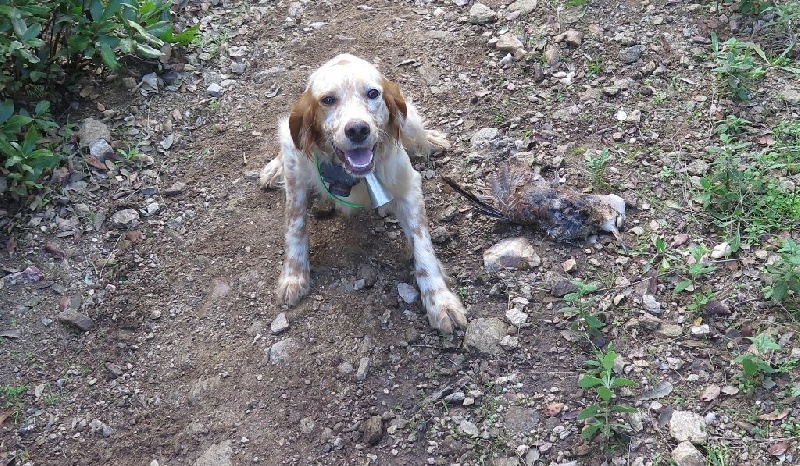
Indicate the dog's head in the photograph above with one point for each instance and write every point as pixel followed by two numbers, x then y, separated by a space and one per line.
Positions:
pixel 348 109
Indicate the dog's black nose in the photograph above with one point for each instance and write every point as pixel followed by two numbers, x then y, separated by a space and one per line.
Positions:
pixel 356 131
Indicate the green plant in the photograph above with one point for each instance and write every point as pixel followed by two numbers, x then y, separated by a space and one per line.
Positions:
pixel 697 268
pixel 595 67
pixel 784 274
pixel 663 257
pixel 597 167
pixel 732 125
pixel 581 305
pixel 601 415
pixel 756 364
pixel 752 7
pixel 716 456
pixel 736 64
pixel 700 299
pixel 25 155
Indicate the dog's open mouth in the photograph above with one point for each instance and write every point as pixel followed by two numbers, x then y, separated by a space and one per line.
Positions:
pixel 357 162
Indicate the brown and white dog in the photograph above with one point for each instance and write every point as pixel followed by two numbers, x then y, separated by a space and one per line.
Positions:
pixel 351 117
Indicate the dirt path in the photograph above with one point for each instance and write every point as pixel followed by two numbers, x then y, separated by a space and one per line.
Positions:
pixel 176 368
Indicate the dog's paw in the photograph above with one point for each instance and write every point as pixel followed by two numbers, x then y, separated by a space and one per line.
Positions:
pixel 272 174
pixel 446 313
pixel 292 288
pixel 437 139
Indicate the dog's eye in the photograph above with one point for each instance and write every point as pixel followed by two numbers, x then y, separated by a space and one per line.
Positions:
pixel 373 94
pixel 328 100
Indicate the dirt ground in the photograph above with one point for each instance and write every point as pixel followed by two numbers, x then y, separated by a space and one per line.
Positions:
pixel 176 368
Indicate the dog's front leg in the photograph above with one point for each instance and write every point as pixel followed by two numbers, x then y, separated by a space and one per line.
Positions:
pixel 295 280
pixel 444 309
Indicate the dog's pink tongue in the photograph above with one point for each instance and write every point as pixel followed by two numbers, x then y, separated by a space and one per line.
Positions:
pixel 359 158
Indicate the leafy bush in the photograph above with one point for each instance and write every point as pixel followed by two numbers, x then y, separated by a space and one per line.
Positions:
pixel 784 274
pixel 46 43
pixel 600 416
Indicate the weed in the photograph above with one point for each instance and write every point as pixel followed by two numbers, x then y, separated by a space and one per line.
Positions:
pixel 595 67
pixel 736 65
pixel 784 274
pixel 581 305
pixel 600 416
pixel 755 364
pixel 597 168
pixel 732 125
pixel 663 257
pixel 791 427
pixel 214 105
pixel 716 456
pixel 499 118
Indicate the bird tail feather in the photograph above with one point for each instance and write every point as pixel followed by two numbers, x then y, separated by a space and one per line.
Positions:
pixel 482 206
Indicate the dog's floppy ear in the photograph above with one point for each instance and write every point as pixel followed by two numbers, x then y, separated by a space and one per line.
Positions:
pixel 396 105
pixel 303 123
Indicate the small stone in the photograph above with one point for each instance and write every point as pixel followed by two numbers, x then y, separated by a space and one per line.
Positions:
pixel 523 6
pixel 150 82
pixel 562 288
pixel 485 335
pixel 791 96
pixel 373 430
pixel 218 454
pixel 238 68
pixel 483 138
pixel 509 42
pixel 363 369
pixel 281 351
pixel 214 90
pixel 697 167
pixel 469 428
pixel 516 317
pixel 176 188
pixel 570 37
pixel 649 322
pixel 721 250
pixel 509 342
pixel 669 330
pixel 407 293
pixel 552 55
pixel 631 54
pixel 651 305
pixel 98 426
pixel 92 130
pixel 72 317
pixel 279 325
pixel 152 208
pixel 509 254
pixel 685 454
pixel 346 368
pixel 125 219
pixel 455 398
pixel 688 425
pixel 699 330
pixel 481 14
pixel 101 149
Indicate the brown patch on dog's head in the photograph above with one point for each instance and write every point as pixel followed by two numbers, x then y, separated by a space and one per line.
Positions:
pixel 303 124
pixel 397 107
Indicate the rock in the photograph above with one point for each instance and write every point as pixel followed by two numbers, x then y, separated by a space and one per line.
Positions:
pixel 485 335
pixel 30 275
pixel 407 293
pixel 561 288
pixel 669 330
pixel 552 55
pixel 373 430
pixel 721 250
pixel 469 428
pixel 214 90
pixel 440 235
pixel 523 6
pixel 279 325
pixel 699 330
pixel 570 37
pixel 521 420
pixel 218 454
pixel 101 149
pixel 262 76
pixel 346 368
pixel 481 14
pixel 508 342
pixel 516 317
pixel 72 317
pixel 631 54
pixel 511 253
pixel 697 167
pixel 688 425
pixel 281 351
pixel 483 137
pixel 791 96
pixel 509 42
pixel 92 130
pixel 649 322
pixel 651 305
pixel 363 369
pixel 125 219
pixel 238 68
pixel 176 188
pixel 99 427
pixel 685 454
pixel 150 82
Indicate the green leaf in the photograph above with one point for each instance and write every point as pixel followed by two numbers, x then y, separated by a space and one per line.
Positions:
pixel 31 33
pixel 588 381
pixel 588 412
pixel 108 57
pixel 186 37
pixel 6 110
pixel 96 9
pixel 605 393
pixel 112 8
pixel 16 122
pixel 9 11
pixel 682 285
pixel 622 409
pixel 147 51
pixel 622 382
pixel 145 35
pixel 608 360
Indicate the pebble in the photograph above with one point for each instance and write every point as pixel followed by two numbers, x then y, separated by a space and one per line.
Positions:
pixel 92 130
pixel 407 293
pixel 468 428
pixel 511 253
pixel 218 454
pixel 523 7
pixel 685 454
pixel 651 305
pixel 279 325
pixel 175 189
pixel 688 425
pixel 699 330
pixel 238 68
pixel 150 82
pixel 485 335
pixel 98 426
pixel 373 430
pixel 72 317
pixel 125 219
pixel 516 317
pixel 483 138
pixel 363 369
pixel 669 330
pixel 631 54
pixel 481 14
pixel 790 96
pixel 281 351
pixel 214 90
pixel 721 250
pixel 101 149
pixel 570 37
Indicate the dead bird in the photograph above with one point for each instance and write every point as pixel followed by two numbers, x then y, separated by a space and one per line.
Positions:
pixel 564 214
